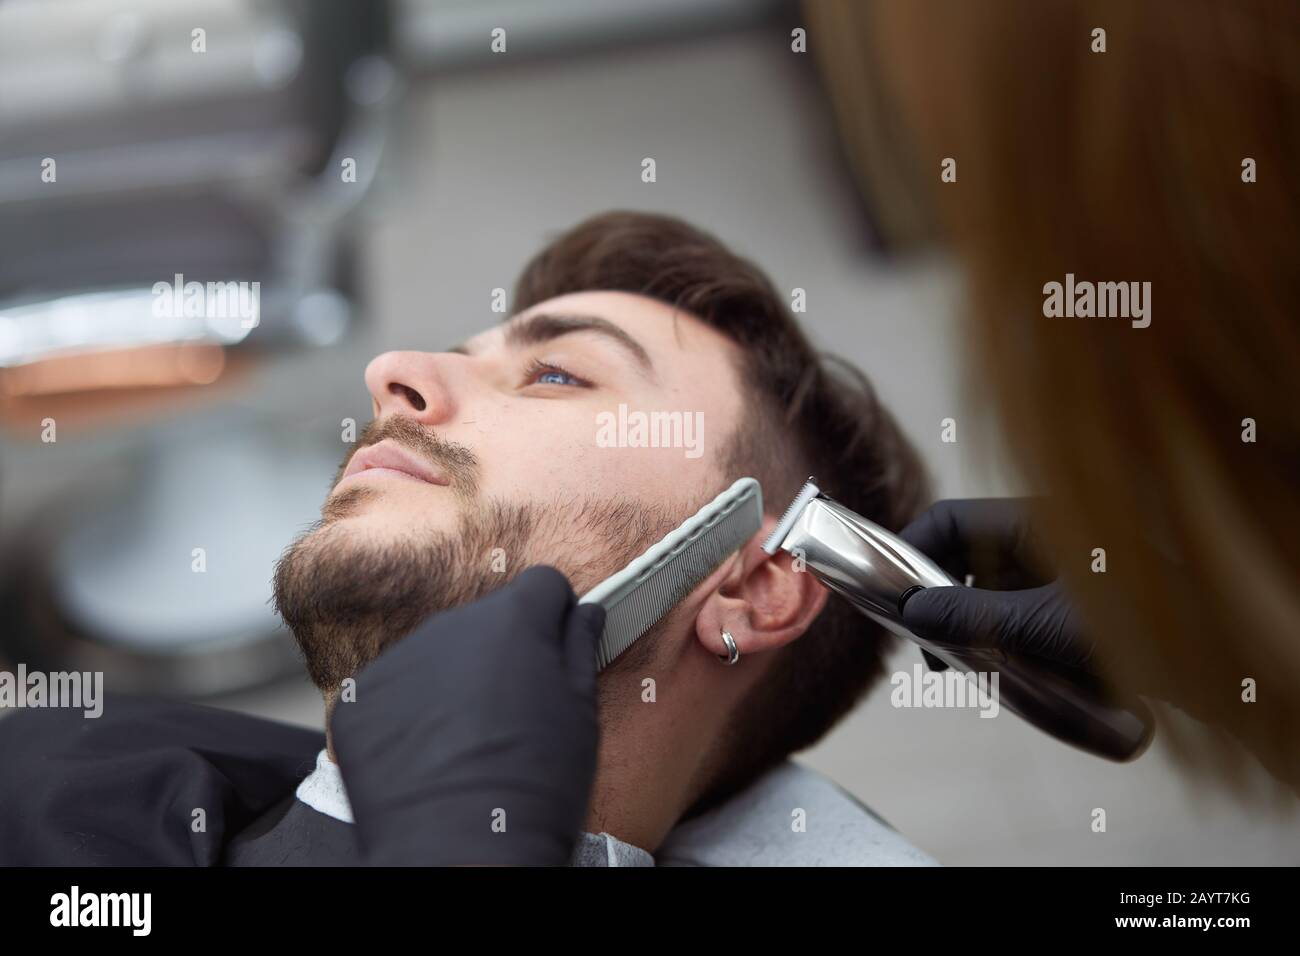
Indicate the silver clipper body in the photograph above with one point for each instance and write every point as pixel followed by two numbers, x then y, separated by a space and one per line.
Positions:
pixel 875 570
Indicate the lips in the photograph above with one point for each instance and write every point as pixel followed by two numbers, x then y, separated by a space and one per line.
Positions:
pixel 390 457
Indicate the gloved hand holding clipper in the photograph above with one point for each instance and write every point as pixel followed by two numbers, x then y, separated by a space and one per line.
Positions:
pixel 1014 605
pixel 483 715
pixel 882 574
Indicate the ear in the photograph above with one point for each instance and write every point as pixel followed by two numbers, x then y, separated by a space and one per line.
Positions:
pixel 764 601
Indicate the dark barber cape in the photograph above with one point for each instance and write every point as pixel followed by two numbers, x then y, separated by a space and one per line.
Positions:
pixel 159 783
pixel 293 834
pixel 162 783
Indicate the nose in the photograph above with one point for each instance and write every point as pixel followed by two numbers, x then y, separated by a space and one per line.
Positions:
pixel 413 384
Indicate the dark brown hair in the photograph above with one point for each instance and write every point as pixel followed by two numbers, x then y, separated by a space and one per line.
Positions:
pixel 809 415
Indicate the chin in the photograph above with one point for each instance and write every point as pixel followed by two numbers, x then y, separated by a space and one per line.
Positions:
pixel 384 512
pixel 377 533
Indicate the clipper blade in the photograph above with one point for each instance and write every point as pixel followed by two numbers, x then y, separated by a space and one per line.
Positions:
pixel 806 494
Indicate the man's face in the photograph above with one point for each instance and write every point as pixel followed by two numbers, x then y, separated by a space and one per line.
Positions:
pixel 528 444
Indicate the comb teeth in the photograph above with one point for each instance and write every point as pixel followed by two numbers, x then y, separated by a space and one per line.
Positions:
pixel 642 593
pixel 659 590
pixel 806 494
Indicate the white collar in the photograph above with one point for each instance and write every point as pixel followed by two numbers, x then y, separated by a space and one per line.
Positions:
pixel 750 829
pixel 323 790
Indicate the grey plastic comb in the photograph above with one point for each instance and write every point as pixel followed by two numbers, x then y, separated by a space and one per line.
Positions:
pixel 652 584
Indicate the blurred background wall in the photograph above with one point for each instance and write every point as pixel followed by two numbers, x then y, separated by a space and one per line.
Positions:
pixel 486 156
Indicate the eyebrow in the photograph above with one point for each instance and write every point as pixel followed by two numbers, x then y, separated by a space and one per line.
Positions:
pixel 542 327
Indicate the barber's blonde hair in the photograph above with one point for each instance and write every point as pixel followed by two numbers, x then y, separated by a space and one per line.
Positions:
pixel 1133 165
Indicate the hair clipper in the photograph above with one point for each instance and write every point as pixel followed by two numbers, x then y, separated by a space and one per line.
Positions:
pixel 875 571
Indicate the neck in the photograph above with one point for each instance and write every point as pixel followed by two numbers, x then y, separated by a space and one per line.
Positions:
pixel 652 756
pixel 641 788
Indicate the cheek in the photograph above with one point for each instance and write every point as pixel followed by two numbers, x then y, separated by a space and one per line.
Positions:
pixel 553 457
pixel 536 454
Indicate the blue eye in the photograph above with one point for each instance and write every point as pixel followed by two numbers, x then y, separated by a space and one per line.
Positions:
pixel 545 373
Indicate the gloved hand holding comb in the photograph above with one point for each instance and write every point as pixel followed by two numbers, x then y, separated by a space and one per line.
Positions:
pixel 473 739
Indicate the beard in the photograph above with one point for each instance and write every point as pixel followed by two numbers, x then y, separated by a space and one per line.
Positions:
pixel 347 596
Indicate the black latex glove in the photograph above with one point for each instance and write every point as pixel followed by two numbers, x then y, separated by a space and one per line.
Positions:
pixel 482 709
pixel 1016 606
